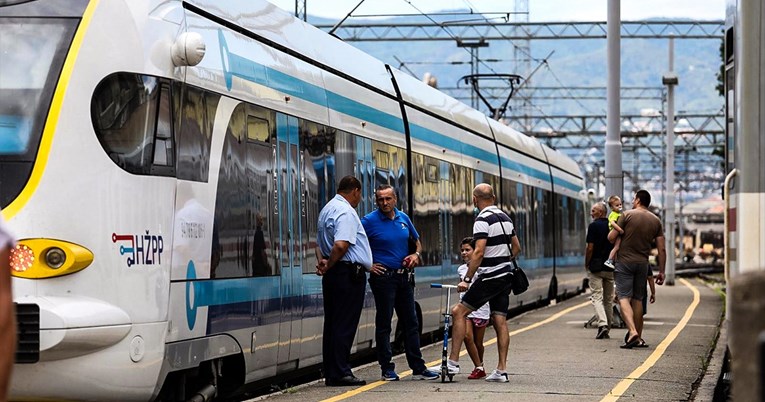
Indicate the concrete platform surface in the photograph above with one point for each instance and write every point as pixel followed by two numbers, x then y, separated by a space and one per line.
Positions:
pixel 554 358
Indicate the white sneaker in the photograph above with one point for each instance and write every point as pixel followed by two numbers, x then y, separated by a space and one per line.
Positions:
pixel 452 367
pixel 497 376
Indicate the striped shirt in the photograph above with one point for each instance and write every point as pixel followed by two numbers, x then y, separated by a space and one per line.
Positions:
pixel 488 225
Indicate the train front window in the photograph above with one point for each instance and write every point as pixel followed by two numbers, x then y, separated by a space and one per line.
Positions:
pixel 32 52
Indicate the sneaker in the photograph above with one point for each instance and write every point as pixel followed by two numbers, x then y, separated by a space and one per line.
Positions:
pixel 452 367
pixel 426 375
pixel 609 263
pixel 477 374
pixel 602 333
pixel 389 375
pixel 497 376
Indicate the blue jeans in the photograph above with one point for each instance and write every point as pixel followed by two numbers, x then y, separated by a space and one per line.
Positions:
pixel 393 292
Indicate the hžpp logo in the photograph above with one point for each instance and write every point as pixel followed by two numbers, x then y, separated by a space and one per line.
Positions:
pixel 140 249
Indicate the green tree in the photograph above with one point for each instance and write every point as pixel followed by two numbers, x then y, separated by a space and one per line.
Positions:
pixel 721 74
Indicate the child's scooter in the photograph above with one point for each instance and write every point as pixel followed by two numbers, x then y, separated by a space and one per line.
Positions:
pixel 447 323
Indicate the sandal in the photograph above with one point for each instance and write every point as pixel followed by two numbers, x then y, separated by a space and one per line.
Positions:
pixel 631 343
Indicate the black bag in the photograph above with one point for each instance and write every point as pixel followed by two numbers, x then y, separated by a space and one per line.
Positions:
pixel 519 280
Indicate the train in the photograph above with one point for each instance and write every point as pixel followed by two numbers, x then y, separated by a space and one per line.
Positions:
pixel 744 194
pixel 163 163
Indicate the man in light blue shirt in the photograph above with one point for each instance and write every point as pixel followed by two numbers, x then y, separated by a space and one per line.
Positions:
pixel 344 257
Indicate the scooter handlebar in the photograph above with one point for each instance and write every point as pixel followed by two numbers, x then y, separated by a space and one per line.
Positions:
pixel 440 285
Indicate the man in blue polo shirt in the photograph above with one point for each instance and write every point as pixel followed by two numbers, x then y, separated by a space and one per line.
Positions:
pixel 388 230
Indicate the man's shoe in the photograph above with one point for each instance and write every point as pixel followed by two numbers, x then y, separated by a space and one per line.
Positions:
pixel 347 381
pixel 452 367
pixel 477 374
pixel 602 333
pixel 497 376
pixel 426 375
pixel 389 375
pixel 609 263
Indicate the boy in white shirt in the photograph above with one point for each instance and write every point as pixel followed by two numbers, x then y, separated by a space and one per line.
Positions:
pixel 477 320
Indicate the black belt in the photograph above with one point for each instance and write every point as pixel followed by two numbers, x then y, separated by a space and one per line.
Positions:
pixel 348 264
pixel 390 271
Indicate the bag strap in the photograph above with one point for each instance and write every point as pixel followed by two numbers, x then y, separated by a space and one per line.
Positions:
pixel 507 239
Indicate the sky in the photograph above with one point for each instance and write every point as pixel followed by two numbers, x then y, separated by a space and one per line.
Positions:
pixel 539 10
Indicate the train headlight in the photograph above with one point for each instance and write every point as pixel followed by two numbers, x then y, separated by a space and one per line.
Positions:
pixel 55 257
pixel 48 258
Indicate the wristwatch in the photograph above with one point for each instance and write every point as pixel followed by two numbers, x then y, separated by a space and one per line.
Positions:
pixel 419 257
pixel 467 279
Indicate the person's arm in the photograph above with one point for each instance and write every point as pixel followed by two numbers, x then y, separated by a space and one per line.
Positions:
pixel 321 264
pixel 7 323
pixel 416 258
pixel 661 259
pixel 653 289
pixel 615 233
pixel 338 251
pixel 473 264
pixel 588 256
pixel 617 227
pixel 516 246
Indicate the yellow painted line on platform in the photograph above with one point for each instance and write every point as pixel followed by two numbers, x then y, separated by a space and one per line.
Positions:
pixel 624 384
pixel 407 373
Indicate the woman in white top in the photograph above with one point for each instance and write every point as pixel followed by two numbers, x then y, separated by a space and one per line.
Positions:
pixel 7 314
pixel 477 320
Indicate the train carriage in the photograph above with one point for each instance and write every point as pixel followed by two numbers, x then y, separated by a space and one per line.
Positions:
pixel 163 163
pixel 744 191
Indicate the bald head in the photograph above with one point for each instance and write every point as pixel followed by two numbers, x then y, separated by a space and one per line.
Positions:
pixel 483 195
pixel 598 210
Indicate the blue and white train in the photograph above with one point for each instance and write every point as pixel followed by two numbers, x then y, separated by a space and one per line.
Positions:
pixel 162 164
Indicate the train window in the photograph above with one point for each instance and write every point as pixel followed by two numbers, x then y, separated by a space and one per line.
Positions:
pixel 26 89
pixel 124 113
pixel 244 239
pixel 317 147
pixel 164 151
pixel 318 144
pixel 195 109
pixel 431 173
pixel 549 230
pixel 258 129
pixel 389 168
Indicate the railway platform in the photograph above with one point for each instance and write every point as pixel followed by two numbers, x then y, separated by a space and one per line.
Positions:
pixel 553 357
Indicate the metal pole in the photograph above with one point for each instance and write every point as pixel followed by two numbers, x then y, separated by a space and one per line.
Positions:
pixel 670 80
pixel 683 191
pixel 613 152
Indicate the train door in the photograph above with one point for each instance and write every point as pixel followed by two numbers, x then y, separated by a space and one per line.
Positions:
pixel 288 197
pixel 365 172
pixel 446 227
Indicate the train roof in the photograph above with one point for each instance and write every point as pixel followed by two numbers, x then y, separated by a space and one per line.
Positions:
pixel 283 29
pixel 562 161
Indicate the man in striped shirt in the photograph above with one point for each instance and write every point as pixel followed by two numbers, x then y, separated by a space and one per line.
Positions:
pixel 489 270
